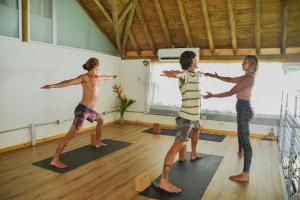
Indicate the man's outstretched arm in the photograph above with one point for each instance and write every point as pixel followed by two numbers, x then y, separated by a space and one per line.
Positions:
pixel 74 81
pixel 105 78
pixel 173 74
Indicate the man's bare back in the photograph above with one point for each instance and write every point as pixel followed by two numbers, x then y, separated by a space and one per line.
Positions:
pixel 90 90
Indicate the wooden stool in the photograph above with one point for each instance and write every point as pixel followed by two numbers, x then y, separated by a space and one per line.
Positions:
pixel 182 153
pixel 142 181
pixel 156 128
pixel 93 140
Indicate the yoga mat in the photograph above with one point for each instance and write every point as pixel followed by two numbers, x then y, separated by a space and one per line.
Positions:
pixel 82 155
pixel 203 136
pixel 191 176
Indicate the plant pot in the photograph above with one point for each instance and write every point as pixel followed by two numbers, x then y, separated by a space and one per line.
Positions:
pixel 121 121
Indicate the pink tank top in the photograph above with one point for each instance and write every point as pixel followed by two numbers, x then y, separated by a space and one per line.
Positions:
pixel 245 94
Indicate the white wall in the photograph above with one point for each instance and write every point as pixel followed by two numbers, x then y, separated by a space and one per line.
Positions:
pixel 134 81
pixel 25 67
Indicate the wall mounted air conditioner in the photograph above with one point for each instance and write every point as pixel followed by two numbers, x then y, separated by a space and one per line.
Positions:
pixel 173 54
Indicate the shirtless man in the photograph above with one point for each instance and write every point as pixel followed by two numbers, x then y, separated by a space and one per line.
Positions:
pixel 84 110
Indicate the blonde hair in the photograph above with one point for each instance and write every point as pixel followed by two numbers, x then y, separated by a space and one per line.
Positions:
pixel 253 63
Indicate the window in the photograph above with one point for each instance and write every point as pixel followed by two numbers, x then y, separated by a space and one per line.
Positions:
pixel 266 95
pixel 41 23
pixel 9 18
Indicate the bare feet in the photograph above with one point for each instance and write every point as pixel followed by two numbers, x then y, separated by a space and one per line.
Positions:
pixel 99 145
pixel 240 154
pixel 196 156
pixel 168 187
pixel 57 164
pixel 243 177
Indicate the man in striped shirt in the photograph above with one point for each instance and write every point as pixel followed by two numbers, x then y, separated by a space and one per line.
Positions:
pixel 187 122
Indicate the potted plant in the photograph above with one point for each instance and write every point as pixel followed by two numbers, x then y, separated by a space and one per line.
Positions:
pixel 123 100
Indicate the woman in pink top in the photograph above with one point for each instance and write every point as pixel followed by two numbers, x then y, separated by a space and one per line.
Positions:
pixel 242 89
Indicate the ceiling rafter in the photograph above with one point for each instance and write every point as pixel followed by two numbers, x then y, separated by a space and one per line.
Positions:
pixel 115 20
pixel 185 23
pixel 163 23
pixel 104 11
pixel 284 26
pixel 127 30
pixel 257 26
pixel 125 11
pixel 145 27
pixel 208 27
pixel 109 18
pixel 232 26
pixel 134 43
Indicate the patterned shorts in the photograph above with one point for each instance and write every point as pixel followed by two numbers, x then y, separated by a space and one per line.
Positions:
pixel 83 113
pixel 185 128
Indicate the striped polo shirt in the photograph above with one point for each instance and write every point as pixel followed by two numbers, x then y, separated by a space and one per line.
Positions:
pixel 191 99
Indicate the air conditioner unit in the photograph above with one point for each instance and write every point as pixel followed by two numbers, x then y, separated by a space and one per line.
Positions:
pixel 173 54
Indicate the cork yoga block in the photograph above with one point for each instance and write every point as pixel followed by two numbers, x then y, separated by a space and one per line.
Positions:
pixel 156 128
pixel 182 153
pixel 142 181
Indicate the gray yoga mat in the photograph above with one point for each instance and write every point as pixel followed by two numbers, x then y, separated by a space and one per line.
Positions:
pixel 82 155
pixel 192 176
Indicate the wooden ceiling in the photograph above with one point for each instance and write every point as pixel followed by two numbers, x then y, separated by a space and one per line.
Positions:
pixel 222 29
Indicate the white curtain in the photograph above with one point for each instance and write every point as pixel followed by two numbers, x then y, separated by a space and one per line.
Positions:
pixel 266 96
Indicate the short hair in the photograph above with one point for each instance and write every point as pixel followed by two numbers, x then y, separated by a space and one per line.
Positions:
pixel 186 59
pixel 253 63
pixel 90 64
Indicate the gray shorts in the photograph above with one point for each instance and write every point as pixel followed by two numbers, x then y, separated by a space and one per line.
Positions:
pixel 185 128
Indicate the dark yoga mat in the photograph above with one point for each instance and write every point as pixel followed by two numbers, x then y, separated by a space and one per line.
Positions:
pixel 192 176
pixel 203 136
pixel 82 155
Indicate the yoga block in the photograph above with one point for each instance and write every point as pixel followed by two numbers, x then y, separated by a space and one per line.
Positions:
pixel 93 139
pixel 156 128
pixel 182 153
pixel 142 181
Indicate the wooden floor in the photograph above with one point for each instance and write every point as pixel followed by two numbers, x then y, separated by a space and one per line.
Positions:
pixel 112 177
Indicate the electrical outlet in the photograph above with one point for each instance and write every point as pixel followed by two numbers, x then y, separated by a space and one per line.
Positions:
pixel 59 121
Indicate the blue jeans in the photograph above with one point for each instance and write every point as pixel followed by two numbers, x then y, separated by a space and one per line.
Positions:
pixel 244 115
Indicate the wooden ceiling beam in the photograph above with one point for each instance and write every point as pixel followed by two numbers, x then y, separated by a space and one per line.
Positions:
pixel 25 24
pixel 116 24
pixel 104 11
pixel 268 58
pixel 284 25
pixel 145 27
pixel 208 27
pixel 92 17
pixel 127 27
pixel 163 23
pixel 127 30
pixel 257 27
pixel 125 12
pixel 185 23
pixel 221 58
pixel 232 26
pixel 134 43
